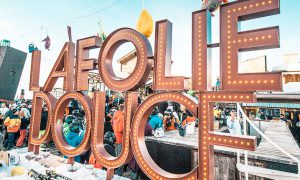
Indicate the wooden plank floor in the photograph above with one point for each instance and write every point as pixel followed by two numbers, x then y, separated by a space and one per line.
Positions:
pixel 278 132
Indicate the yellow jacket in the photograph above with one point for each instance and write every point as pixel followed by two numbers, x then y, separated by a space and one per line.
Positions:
pixel 13 123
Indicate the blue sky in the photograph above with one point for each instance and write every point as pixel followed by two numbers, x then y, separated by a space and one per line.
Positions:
pixel 31 20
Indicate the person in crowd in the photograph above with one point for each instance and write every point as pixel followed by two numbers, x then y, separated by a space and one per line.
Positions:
pixel 188 118
pixel 3 109
pixel 251 115
pixel 29 106
pixel 23 129
pixel 296 129
pixel 233 124
pixel 25 111
pixel 174 112
pixel 68 120
pixel 73 138
pixel 112 112
pixel 217 112
pixel 269 118
pixel 218 84
pixel 109 141
pixel 44 121
pixel 185 116
pixel 13 124
pixel 182 113
pixel 118 126
pixel 170 122
pixel 148 130
pixel 81 122
pixel 106 104
pixel 282 118
pixel 7 114
pixel 161 116
pixel 107 125
pixel 110 104
pixel 155 121
pixel 162 107
pixel 76 113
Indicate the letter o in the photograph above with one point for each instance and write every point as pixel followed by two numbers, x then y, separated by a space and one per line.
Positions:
pixel 138 144
pixel 57 123
pixel 143 65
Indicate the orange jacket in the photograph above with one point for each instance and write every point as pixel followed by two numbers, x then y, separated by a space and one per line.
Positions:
pixel 13 123
pixel 188 119
pixel 94 162
pixel 118 125
pixel 172 126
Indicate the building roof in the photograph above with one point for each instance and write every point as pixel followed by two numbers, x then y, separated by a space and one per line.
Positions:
pixel 128 57
pixel 294 67
pixel 279 97
pixel 273 105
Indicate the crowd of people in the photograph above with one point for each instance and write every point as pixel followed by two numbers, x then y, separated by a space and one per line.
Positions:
pixel 14 122
pixel 167 116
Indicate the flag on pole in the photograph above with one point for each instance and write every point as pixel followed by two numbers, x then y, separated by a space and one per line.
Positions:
pixel 101 33
pixel 47 42
pixel 69 33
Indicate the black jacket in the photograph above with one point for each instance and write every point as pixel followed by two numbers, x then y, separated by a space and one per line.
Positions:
pixel 44 120
pixel 108 127
pixel 24 123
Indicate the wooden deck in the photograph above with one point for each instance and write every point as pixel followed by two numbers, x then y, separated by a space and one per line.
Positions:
pixel 278 132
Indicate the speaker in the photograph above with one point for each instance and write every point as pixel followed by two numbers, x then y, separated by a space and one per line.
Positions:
pixel 11 66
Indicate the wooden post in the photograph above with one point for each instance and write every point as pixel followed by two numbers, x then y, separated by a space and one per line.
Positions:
pixel 36 149
pixel 30 147
pixel 71 160
pixel 110 174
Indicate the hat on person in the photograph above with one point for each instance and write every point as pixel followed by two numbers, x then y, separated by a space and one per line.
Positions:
pixel 14 110
pixel 171 108
pixel 169 111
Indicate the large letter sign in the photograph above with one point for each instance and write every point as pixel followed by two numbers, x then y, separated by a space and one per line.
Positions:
pixel 235 87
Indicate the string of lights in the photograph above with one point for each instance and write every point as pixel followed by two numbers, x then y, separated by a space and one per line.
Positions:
pixel 86 13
